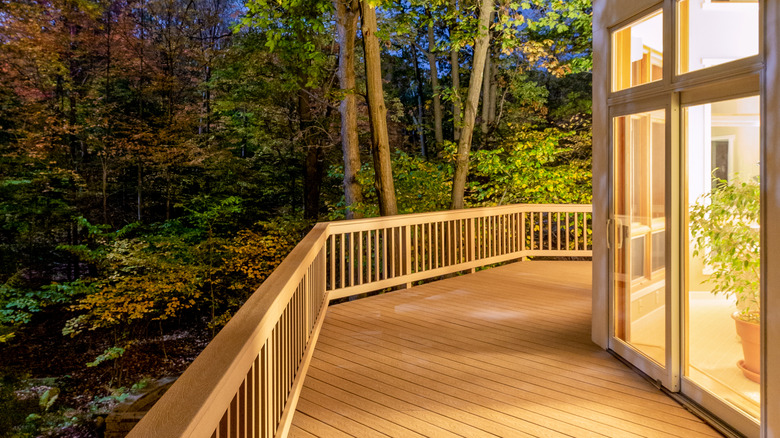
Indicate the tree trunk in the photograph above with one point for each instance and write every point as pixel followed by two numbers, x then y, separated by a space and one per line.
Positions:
pixel 492 101
pixel 455 72
pixel 104 187
pixel 140 188
pixel 472 100
pixel 485 100
pixel 313 182
pixel 168 194
pixel 312 179
pixel 377 112
pixel 437 115
pixel 420 122
pixel 104 155
pixel 347 12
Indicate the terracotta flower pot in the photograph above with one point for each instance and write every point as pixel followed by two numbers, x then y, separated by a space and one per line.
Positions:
pixel 750 334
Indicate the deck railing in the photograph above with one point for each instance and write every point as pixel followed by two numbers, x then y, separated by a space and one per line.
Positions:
pixel 246 382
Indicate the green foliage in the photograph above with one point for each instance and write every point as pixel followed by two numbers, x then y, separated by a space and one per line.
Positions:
pixel 293 29
pixel 560 38
pixel 18 306
pixel 255 253
pixel 420 185
pixel 725 228
pixel 48 398
pixel 165 271
pixel 532 167
pixel 111 353
pixel 13 410
pixel 30 408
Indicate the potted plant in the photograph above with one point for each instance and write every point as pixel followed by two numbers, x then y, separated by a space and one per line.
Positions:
pixel 724 224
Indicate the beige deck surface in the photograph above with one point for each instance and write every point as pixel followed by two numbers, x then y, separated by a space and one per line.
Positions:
pixel 503 352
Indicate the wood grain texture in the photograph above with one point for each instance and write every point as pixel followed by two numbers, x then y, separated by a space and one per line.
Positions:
pixel 502 352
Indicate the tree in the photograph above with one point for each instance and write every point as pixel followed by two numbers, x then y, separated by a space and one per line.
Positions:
pixel 347 12
pixel 455 73
pixel 437 113
pixel 472 101
pixel 295 31
pixel 380 142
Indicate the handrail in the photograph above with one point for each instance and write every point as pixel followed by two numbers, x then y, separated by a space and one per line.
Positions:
pixel 247 380
pixel 369 254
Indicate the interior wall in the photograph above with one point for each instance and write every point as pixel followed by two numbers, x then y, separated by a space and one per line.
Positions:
pixel 713 25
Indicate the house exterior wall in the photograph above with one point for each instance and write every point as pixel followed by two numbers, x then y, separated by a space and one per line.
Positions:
pixel 770 205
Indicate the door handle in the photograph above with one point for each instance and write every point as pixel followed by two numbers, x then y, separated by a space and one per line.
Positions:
pixel 620 231
pixel 609 233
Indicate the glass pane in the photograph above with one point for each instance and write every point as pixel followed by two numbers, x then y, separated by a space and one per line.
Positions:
pixel 722 145
pixel 716 31
pixel 640 221
pixel 637 52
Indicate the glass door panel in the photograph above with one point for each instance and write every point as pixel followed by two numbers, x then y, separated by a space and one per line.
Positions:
pixel 638 234
pixel 722 143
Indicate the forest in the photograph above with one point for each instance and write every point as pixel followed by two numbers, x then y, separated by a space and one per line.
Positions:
pixel 158 158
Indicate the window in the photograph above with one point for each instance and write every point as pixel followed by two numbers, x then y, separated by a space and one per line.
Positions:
pixel 638 53
pixel 715 32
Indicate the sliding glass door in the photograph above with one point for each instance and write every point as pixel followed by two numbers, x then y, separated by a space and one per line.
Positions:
pixel 684 231
pixel 639 241
pixel 721 364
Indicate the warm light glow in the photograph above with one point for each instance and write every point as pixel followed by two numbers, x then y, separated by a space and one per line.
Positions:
pixel 640 232
pixel 722 146
pixel 638 53
pixel 716 32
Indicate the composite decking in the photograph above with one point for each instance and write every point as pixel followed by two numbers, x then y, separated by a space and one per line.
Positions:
pixel 501 352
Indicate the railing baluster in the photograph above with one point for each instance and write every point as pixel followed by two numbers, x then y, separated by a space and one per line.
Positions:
pixel 332 263
pixel 492 234
pixel 367 257
pixel 241 409
pixel 482 236
pixel 392 249
pixel 447 247
pixel 435 227
pixel 384 254
pixel 250 402
pixel 459 238
pixel 576 231
pixel 508 225
pixel 453 259
pixel 505 231
pixel 508 233
pixel 499 235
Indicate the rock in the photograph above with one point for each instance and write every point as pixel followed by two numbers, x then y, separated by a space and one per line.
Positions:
pixel 129 413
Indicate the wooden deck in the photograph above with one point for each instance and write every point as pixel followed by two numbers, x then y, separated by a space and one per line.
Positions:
pixel 502 352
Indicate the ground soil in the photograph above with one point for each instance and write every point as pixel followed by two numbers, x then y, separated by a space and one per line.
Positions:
pixel 40 352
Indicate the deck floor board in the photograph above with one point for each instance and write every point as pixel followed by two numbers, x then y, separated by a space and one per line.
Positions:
pixel 502 352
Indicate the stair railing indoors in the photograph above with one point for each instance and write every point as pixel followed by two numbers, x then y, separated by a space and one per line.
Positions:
pixel 246 382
